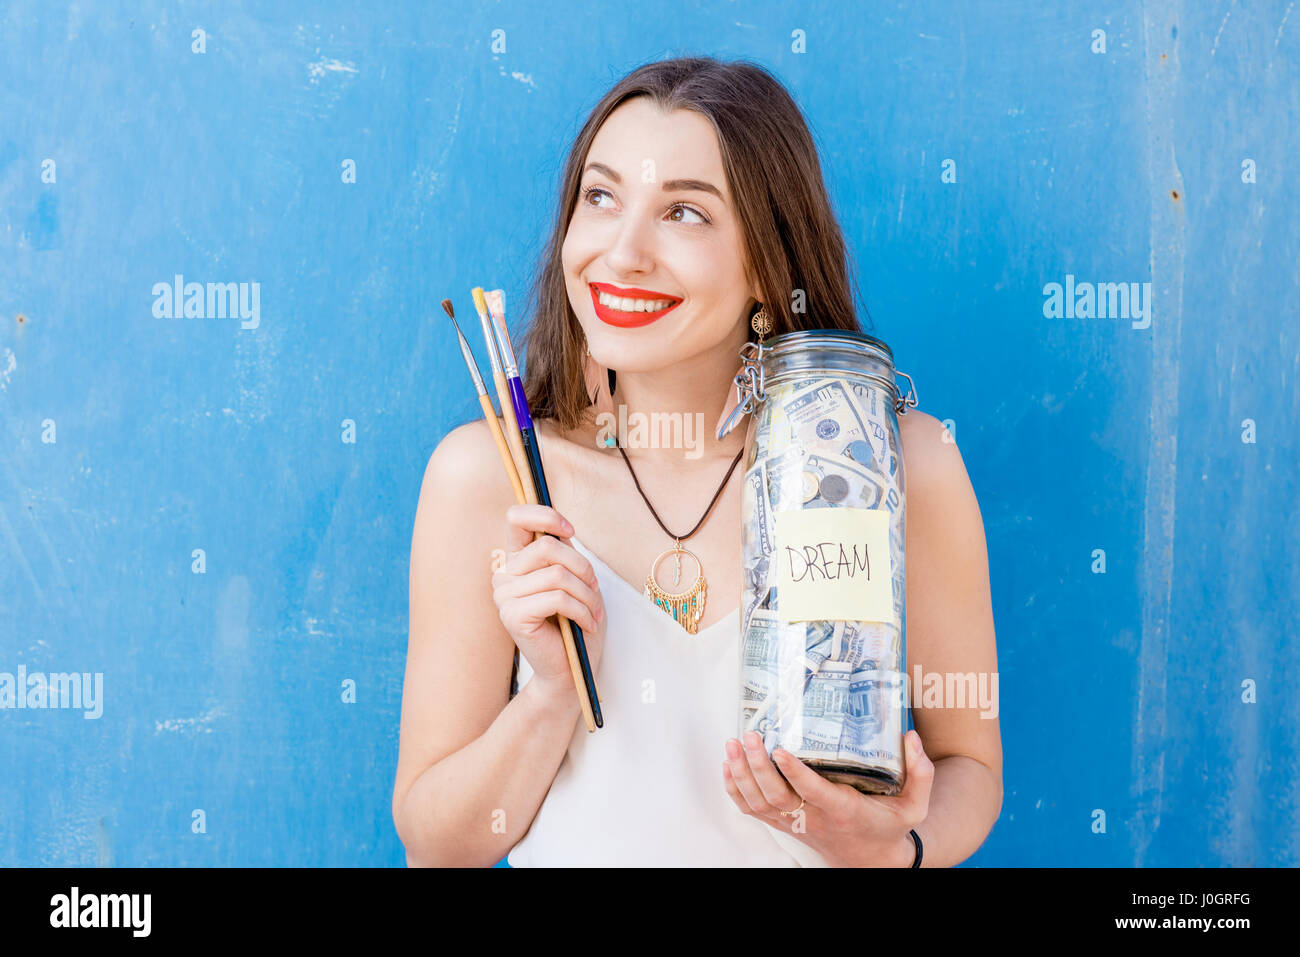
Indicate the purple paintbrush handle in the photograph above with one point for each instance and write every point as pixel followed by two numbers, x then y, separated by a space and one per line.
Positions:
pixel 520 403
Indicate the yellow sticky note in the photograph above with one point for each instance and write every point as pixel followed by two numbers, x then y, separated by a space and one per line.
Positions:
pixel 833 564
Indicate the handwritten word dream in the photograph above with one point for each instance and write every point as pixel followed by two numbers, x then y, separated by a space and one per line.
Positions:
pixel 812 561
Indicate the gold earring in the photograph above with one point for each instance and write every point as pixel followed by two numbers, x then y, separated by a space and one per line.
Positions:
pixel 762 322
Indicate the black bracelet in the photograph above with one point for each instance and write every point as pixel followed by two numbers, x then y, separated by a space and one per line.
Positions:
pixel 916 839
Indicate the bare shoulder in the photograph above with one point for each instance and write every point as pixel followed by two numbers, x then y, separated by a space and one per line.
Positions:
pixel 945 530
pixel 464 495
pixel 932 463
pixel 466 463
pixel 947 567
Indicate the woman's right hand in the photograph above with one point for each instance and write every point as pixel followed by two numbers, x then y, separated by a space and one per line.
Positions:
pixel 543 578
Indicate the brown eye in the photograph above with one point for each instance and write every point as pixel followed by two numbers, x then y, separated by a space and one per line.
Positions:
pixel 703 220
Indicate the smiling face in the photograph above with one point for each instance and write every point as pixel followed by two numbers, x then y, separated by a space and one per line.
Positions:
pixel 653 257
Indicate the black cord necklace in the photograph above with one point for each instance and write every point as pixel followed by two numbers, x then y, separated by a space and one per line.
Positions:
pixel 686 607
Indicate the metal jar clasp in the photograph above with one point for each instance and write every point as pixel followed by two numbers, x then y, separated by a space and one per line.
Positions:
pixel 749 386
pixel 907 400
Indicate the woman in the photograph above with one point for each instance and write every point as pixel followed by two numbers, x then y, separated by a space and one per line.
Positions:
pixel 692 202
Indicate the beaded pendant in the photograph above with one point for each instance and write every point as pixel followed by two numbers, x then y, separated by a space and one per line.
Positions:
pixel 686 607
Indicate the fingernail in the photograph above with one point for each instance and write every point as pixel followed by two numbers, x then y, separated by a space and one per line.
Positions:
pixel 733 749
pixel 568 529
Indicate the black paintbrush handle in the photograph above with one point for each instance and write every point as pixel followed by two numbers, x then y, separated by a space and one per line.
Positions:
pixel 534 455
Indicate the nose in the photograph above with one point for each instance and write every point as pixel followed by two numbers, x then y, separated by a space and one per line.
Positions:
pixel 631 249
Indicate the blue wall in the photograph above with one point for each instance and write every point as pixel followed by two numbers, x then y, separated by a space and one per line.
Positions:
pixel 1120 691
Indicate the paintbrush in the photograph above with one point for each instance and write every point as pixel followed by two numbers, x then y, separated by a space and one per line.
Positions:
pixel 586 699
pixel 494 302
pixel 579 662
pixel 503 394
pixel 489 413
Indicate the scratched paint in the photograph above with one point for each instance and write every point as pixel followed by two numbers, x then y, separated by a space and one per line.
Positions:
pixel 223 690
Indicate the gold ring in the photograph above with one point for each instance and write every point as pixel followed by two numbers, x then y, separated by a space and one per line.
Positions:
pixel 796 810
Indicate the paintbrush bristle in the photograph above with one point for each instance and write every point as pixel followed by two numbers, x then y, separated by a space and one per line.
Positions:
pixel 496 302
pixel 479 302
pixel 465 350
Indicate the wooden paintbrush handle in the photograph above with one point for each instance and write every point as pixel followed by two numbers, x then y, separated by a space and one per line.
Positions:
pixel 575 667
pixel 512 435
pixel 490 414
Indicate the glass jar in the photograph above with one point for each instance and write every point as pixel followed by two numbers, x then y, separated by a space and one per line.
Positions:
pixel 822 641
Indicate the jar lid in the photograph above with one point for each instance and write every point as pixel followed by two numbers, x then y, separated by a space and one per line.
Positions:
pixel 847 337
pixel 759 358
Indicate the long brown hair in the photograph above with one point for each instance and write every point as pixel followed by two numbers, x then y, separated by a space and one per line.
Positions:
pixel 791 237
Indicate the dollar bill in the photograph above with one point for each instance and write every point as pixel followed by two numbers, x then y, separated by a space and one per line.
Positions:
pixel 784 475
pixel 823 708
pixel 776 666
pixel 758 530
pixel 825 420
pixel 869 641
pixel 758 592
pixel 760 657
pixel 873 731
pixel 873 410
pixel 758 541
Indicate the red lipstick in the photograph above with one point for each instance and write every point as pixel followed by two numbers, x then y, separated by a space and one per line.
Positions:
pixel 627 320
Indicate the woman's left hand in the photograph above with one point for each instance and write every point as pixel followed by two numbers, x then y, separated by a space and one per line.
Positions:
pixel 845 826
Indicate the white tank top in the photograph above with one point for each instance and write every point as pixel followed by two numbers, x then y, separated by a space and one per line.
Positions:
pixel 647 788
